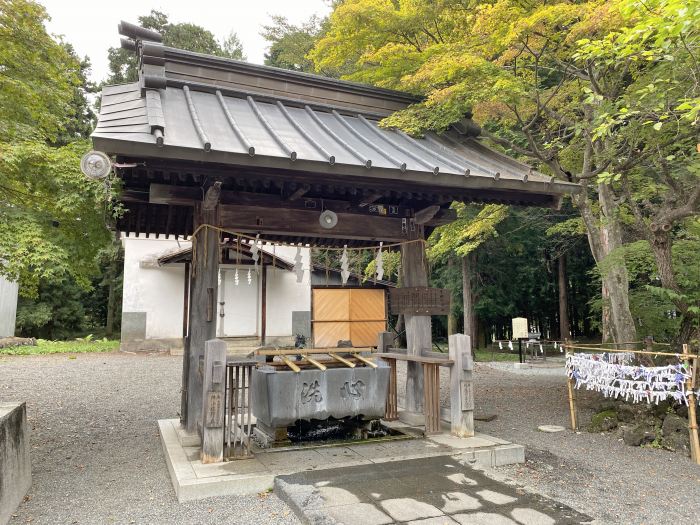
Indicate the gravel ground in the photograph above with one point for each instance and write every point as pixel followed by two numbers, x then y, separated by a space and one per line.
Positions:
pixel 96 452
pixel 596 474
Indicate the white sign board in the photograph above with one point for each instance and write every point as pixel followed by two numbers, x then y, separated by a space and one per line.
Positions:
pixel 520 328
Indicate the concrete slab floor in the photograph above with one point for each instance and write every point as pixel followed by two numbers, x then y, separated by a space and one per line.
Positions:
pixel 429 491
pixel 194 480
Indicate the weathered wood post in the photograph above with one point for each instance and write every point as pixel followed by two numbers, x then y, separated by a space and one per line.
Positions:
pixel 461 386
pixel 391 413
pixel 418 331
pixel 202 311
pixel 213 392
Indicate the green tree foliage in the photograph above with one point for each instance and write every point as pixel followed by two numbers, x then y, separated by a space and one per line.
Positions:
pixel 52 219
pixel 38 77
pixel 600 93
pixel 289 43
pixel 122 63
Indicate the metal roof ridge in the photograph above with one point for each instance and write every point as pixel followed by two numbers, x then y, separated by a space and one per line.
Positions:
pixel 264 98
pixel 287 74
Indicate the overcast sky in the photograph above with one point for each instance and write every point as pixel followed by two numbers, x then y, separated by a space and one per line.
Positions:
pixel 91 25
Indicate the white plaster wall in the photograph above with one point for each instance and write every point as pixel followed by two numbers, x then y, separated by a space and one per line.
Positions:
pixel 285 295
pixel 242 304
pixel 8 307
pixel 158 291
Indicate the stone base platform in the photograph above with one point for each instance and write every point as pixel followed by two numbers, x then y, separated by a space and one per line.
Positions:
pixel 193 480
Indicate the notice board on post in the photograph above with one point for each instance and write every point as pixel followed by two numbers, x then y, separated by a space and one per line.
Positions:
pixel 520 328
pixel 419 300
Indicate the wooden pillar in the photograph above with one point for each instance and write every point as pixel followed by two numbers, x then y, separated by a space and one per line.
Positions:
pixel 185 358
pixel 202 312
pixel 213 392
pixel 418 331
pixel 461 386
pixel 385 341
pixel 263 303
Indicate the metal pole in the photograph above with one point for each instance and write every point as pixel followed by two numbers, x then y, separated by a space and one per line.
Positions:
pixel 520 349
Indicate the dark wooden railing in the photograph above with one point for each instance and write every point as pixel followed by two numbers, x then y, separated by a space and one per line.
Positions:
pixel 238 421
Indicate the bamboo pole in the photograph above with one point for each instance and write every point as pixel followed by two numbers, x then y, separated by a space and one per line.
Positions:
pixel 366 361
pixel 318 365
pixel 290 364
pixel 572 402
pixel 305 351
pixel 342 360
pixel 692 417
pixel 688 357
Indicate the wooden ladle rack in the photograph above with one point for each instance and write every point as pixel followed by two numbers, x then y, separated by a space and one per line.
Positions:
pixel 337 357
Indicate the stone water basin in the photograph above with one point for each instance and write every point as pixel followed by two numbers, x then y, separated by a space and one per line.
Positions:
pixel 282 397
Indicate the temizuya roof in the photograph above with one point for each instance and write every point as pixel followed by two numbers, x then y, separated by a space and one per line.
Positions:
pixel 192 107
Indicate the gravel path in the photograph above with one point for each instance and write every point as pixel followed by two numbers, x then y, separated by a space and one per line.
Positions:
pixel 96 452
pixel 596 474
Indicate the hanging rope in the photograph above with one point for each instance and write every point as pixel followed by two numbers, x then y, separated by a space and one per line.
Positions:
pixel 256 239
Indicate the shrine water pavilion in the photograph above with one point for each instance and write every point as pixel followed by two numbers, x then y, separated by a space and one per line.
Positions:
pixel 229 153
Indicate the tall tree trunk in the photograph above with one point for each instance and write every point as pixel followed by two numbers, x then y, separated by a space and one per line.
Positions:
pixel 605 236
pixel 451 317
pixel 467 295
pixel 111 277
pixel 661 245
pixel 564 329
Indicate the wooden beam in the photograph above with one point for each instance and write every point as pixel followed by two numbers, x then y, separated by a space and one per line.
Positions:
pixel 424 215
pixel 299 192
pixel 305 223
pixel 369 199
pixel 212 196
pixel 442 217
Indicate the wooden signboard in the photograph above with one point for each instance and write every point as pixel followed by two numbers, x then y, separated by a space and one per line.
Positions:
pixel 520 330
pixel 419 300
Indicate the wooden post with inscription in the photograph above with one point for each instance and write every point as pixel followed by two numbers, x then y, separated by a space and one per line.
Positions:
pixel 213 392
pixel 203 292
pixel 418 328
pixel 461 386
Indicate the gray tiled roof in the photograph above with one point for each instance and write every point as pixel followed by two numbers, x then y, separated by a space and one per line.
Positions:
pixel 209 125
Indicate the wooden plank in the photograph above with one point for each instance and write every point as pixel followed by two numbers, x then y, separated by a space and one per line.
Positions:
pixel 367 304
pixel 213 391
pixel 305 223
pixel 331 304
pixel 461 386
pixel 415 358
pixel 328 334
pixel 363 333
pixel 419 300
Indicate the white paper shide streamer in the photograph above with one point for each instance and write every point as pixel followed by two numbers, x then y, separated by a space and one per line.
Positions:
pixel 380 263
pixel 613 376
pixel 298 268
pixel 344 267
